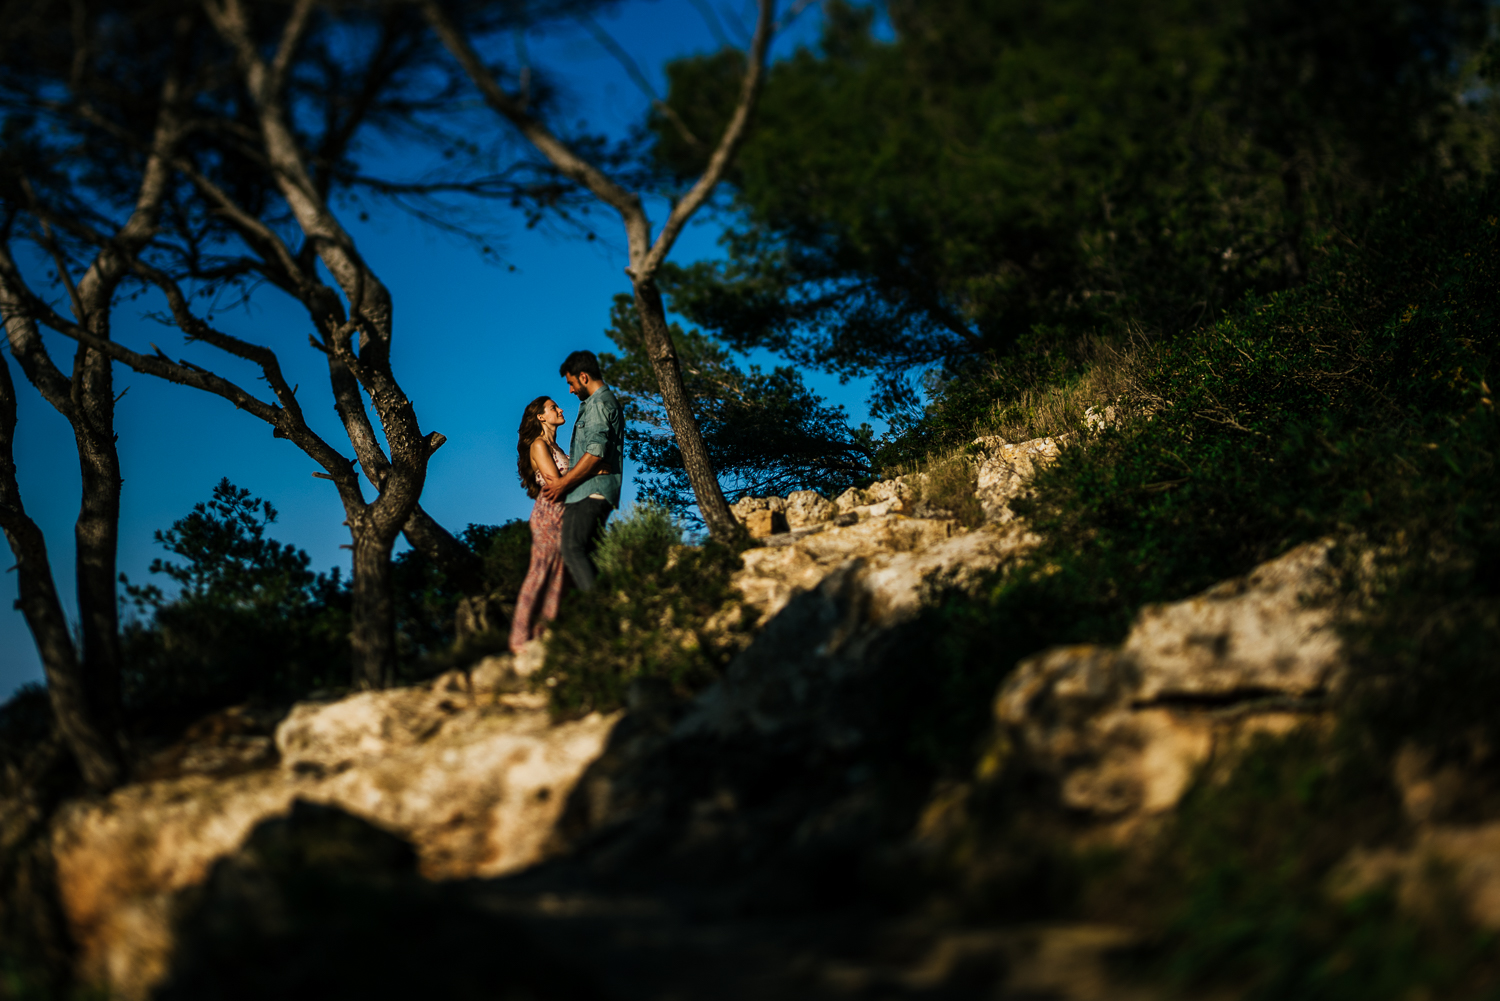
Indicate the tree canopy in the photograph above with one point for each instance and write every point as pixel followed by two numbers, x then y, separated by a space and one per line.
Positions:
pixel 1004 166
pixel 767 432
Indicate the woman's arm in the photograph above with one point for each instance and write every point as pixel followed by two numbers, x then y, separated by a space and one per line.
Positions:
pixel 541 461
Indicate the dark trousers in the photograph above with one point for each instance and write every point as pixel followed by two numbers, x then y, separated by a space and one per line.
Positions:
pixel 583 523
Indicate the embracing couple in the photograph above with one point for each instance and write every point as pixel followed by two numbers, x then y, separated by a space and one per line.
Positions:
pixel 575 492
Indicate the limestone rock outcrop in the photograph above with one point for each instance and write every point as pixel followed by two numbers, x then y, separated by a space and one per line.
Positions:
pixel 1450 857
pixel 897 554
pixel 1005 469
pixel 472 776
pixel 805 508
pixel 1124 729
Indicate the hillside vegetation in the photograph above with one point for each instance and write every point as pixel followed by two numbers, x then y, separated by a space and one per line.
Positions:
pixel 1284 293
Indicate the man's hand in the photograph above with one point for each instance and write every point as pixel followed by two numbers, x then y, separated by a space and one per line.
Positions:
pixel 587 466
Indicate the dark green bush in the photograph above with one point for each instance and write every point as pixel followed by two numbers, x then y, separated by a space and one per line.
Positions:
pixel 1244 889
pixel 648 619
pixel 1355 406
pixel 1358 407
pixel 250 620
pixel 426 599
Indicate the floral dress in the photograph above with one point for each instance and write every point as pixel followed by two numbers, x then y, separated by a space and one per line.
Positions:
pixel 542 590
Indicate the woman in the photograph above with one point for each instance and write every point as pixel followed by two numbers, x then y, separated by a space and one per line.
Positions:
pixel 540 462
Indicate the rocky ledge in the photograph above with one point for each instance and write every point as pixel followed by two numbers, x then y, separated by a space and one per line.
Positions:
pixel 1002 471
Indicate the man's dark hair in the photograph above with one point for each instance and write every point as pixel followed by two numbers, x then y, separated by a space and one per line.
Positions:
pixel 582 363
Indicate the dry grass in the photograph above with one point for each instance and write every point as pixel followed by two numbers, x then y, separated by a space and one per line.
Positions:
pixel 1113 379
pixel 952 485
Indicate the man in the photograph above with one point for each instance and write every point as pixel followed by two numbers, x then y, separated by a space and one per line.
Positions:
pixel 590 489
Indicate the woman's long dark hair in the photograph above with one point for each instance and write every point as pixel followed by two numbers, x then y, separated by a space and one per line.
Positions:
pixel 531 430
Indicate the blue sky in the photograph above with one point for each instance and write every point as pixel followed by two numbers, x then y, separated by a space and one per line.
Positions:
pixel 474 343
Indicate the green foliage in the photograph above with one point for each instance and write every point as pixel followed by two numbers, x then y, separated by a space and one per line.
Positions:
pixel 952 485
pixel 25 722
pixel 1356 407
pixel 250 621
pixel 638 544
pixel 506 552
pixel 766 432
pixel 648 620
pixel 426 600
pixel 1242 884
pixel 1005 164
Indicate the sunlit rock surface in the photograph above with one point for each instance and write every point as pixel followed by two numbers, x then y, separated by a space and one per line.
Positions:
pixel 475 779
pixel 1005 469
pixel 1124 729
pixel 898 553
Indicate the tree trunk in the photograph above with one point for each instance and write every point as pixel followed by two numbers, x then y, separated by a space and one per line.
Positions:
pixel 90 739
pixel 373 636
pixel 700 471
pixel 96 538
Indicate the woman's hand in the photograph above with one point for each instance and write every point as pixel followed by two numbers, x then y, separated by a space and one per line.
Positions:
pixel 589 465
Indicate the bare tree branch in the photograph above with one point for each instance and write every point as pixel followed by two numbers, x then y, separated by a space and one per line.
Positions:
pixel 291 36
pixel 572 166
pixel 715 28
pixel 26 341
pixel 729 142
pixel 634 72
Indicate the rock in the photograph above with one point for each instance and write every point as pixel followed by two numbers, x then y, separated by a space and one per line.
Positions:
pixel 1097 420
pixel 474 780
pixel 483 613
pixel 764 522
pixel 322 904
pixel 1006 469
pixel 1442 863
pixel 1271 631
pixel 1123 730
pixel 1059 962
pixel 865 579
pixel 890 543
pixel 233 740
pixel 745 505
pixel 761 516
pixel 1452 857
pixel 901 495
pixel 531 658
pixel 805 508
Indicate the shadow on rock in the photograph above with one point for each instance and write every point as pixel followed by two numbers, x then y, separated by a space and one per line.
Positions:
pixel 321 904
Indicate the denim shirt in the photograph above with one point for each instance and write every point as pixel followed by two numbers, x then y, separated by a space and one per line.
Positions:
pixel 599 430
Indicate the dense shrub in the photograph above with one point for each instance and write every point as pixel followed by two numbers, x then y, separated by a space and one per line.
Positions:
pixel 1245 889
pixel 426 599
pixel 647 620
pixel 1354 406
pixel 1359 407
pixel 250 619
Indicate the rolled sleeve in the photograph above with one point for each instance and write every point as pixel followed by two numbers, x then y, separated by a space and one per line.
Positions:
pixel 593 433
pixel 600 432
